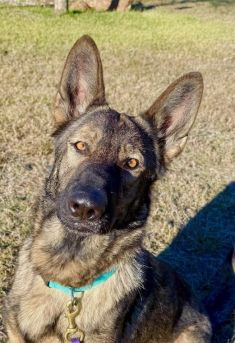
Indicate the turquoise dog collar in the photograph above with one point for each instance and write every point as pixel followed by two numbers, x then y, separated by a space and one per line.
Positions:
pixel 73 290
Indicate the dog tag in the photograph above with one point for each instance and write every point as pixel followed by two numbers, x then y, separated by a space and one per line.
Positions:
pixel 73 309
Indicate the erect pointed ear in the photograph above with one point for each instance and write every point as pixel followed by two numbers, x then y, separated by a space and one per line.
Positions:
pixel 172 115
pixel 81 84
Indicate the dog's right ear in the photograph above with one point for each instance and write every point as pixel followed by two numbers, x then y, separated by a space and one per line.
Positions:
pixel 81 84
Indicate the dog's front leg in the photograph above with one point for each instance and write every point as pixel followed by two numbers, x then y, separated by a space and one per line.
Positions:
pixel 192 336
pixel 193 327
pixel 49 339
pixel 14 334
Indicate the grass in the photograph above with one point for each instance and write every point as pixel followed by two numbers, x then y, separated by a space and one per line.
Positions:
pixel 142 53
pixel 164 31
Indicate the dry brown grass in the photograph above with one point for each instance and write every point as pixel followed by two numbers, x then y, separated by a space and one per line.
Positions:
pixel 142 54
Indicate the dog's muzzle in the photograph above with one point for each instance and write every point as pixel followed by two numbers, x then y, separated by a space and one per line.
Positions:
pixel 84 209
pixel 88 202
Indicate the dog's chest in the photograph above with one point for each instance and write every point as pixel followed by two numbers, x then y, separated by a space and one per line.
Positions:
pixel 97 327
pixel 41 316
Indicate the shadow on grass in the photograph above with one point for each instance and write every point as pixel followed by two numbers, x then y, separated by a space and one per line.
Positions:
pixel 202 254
pixel 213 2
pixel 141 6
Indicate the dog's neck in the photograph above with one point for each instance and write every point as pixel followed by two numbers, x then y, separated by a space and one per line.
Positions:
pixel 99 304
pixel 76 263
pixel 73 291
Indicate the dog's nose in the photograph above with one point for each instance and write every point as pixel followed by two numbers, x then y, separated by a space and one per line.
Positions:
pixel 87 204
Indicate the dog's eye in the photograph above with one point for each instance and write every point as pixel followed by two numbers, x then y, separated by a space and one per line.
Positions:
pixel 81 146
pixel 132 163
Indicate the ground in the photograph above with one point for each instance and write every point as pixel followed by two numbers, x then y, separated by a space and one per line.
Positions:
pixel 193 215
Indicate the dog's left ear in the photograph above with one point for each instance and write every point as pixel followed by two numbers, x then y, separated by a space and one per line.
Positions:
pixel 81 84
pixel 172 115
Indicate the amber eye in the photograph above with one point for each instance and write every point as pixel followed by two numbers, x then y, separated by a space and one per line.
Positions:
pixel 81 146
pixel 132 163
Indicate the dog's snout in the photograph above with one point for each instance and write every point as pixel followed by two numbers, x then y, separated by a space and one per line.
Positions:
pixel 87 204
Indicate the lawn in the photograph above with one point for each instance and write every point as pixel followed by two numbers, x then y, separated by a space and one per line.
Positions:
pixel 192 222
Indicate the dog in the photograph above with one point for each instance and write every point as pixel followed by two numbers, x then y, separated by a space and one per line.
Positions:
pixel 83 275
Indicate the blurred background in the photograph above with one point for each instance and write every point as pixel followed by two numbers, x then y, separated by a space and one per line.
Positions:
pixel 144 46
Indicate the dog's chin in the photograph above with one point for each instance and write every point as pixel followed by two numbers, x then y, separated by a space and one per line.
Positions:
pixel 85 228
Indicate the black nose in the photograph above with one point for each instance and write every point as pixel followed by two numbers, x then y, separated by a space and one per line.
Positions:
pixel 87 203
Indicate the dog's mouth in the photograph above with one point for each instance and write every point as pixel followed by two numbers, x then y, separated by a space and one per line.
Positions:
pixel 102 226
pixel 109 221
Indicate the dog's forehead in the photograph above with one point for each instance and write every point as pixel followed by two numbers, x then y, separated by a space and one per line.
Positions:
pixel 105 125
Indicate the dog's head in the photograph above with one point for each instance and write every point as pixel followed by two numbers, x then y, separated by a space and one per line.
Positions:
pixel 105 161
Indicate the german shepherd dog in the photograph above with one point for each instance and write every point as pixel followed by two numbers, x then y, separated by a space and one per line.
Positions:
pixel 90 221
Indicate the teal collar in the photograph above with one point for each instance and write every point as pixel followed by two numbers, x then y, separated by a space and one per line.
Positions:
pixel 73 290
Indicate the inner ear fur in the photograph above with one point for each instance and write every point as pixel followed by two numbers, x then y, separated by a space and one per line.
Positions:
pixel 81 84
pixel 173 114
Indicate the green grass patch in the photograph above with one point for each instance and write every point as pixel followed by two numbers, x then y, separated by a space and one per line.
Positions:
pixel 38 31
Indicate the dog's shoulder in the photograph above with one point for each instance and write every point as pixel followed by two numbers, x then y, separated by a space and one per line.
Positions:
pixel 159 276
pixel 160 300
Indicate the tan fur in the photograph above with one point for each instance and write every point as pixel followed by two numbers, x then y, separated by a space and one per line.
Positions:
pixel 40 302
pixel 14 334
pixel 79 272
pixel 102 305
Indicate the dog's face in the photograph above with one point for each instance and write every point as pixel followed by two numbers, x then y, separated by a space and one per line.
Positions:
pixel 106 166
pixel 106 161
